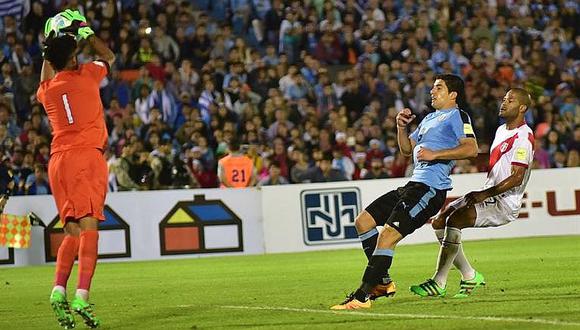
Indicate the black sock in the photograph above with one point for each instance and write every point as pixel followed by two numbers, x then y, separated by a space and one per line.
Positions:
pixel 369 242
pixel 360 295
pixel 377 269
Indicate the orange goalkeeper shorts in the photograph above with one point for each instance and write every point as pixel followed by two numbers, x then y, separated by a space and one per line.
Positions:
pixel 78 180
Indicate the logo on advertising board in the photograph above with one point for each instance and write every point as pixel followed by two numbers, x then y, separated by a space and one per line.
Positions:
pixel 328 215
pixel 200 226
pixel 114 237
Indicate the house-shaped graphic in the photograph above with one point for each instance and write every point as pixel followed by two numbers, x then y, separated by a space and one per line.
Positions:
pixel 114 237
pixel 6 256
pixel 200 226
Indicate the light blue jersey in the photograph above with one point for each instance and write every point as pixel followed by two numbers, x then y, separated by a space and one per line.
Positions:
pixel 439 130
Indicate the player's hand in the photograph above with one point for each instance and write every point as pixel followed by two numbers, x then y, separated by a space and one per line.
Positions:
pixel 85 32
pixel 73 15
pixel 82 28
pixel 475 197
pixel 404 117
pixel 426 155
pixel 48 27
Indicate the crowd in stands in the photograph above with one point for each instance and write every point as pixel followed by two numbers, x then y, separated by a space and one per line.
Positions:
pixel 299 83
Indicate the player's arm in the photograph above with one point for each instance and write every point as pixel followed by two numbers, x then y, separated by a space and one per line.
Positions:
pixel 467 148
pixel 461 128
pixel 101 49
pixel 514 180
pixel 406 144
pixel 47 72
pixel 222 175
pixel 85 32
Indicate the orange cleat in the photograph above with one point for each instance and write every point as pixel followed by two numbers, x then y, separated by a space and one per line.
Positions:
pixel 383 290
pixel 351 303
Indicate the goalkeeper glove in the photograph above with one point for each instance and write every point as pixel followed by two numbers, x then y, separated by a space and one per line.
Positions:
pixel 74 15
pixel 85 32
pixel 48 27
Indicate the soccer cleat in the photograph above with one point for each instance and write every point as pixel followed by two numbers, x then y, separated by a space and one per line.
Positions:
pixel 383 290
pixel 62 310
pixel 351 303
pixel 466 287
pixel 85 310
pixel 428 288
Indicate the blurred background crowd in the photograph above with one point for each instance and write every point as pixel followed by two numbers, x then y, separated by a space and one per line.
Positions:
pixel 297 82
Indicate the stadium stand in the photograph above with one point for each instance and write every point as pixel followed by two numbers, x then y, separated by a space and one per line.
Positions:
pixel 293 80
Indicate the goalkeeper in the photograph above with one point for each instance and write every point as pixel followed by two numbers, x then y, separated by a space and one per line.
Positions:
pixel 77 169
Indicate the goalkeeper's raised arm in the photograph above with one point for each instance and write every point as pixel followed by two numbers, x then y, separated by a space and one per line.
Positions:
pixel 101 49
pixel 85 32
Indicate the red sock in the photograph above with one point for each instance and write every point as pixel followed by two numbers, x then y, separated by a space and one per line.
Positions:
pixel 65 259
pixel 88 253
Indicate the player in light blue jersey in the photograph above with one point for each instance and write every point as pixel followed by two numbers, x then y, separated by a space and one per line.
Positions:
pixel 442 137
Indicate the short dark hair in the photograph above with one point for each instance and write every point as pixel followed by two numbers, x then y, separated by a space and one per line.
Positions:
pixel 523 96
pixel 275 163
pixel 327 155
pixel 454 84
pixel 59 50
pixel 234 144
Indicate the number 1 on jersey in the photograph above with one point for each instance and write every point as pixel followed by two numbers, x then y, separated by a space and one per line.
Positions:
pixel 67 109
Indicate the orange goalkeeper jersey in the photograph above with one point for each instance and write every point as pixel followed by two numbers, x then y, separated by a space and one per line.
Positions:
pixel 73 105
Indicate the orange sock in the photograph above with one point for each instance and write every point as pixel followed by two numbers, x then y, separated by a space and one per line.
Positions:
pixel 88 253
pixel 65 259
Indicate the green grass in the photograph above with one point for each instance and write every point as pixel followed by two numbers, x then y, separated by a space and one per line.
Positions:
pixel 528 279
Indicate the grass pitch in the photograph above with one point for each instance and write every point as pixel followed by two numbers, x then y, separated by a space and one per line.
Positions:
pixel 533 283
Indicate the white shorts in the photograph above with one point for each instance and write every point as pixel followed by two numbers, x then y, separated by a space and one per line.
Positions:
pixel 492 212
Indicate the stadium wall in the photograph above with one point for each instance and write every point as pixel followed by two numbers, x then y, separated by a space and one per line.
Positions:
pixel 293 218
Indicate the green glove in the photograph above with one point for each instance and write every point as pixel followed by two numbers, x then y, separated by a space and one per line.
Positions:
pixel 85 32
pixel 73 15
pixel 48 27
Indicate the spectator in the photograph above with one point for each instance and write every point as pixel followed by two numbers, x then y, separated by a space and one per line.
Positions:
pixel 343 163
pixel 37 182
pixel 274 178
pixel 281 77
pixel 323 171
pixel 125 170
pixel 377 171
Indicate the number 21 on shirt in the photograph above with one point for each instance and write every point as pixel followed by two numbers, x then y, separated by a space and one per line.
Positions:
pixel 239 175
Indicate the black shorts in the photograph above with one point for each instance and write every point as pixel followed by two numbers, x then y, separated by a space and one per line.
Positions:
pixel 407 208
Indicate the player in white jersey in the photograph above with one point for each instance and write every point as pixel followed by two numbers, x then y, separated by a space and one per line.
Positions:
pixel 497 204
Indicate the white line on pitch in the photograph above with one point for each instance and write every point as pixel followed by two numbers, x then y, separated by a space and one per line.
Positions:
pixel 401 315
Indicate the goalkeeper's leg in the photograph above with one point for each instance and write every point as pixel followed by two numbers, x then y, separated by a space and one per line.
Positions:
pixel 65 259
pixel 88 253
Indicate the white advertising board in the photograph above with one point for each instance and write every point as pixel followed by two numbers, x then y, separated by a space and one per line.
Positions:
pixel 317 216
pixel 154 225
pixel 293 218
